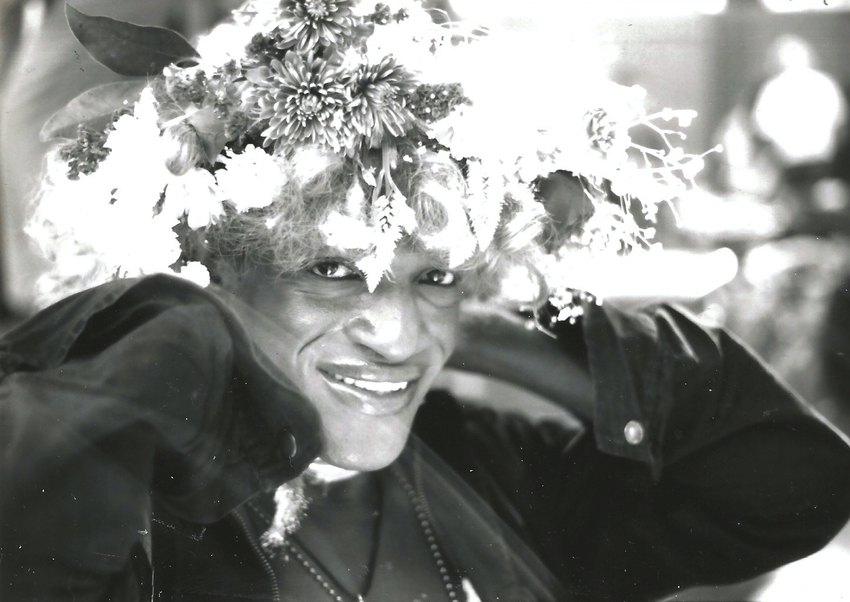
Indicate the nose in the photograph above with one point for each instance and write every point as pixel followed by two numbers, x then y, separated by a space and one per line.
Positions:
pixel 390 323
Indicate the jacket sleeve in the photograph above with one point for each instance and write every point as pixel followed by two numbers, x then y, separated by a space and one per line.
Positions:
pixel 136 399
pixel 700 466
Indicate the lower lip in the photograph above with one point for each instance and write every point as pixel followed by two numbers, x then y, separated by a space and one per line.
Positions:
pixel 370 402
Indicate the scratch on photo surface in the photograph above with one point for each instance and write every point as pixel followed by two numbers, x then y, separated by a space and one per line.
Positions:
pixel 163 523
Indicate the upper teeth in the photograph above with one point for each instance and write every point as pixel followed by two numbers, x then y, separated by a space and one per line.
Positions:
pixel 372 385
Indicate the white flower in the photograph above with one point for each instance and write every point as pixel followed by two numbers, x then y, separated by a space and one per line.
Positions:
pixel 147 247
pixel 345 232
pixel 196 194
pixel 456 237
pixel 258 15
pixel 251 179
pixel 135 166
pixel 484 200
pixel 225 42
pixel 391 218
pixel 410 41
pixel 196 272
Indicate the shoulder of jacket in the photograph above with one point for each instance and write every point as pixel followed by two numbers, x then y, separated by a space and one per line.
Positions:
pixel 100 316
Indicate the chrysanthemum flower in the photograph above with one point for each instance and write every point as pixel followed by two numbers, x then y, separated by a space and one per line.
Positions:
pixel 315 21
pixel 303 101
pixel 378 104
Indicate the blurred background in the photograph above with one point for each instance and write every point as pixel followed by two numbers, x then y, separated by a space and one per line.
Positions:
pixel 762 247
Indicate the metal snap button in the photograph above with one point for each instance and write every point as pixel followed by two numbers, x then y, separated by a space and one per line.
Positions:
pixel 633 432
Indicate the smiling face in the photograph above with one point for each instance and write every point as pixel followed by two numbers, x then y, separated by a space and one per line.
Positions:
pixel 365 360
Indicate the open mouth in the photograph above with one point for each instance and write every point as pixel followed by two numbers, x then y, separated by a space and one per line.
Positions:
pixel 371 397
pixel 373 386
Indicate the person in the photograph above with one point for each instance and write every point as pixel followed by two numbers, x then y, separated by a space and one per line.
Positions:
pixel 262 261
pixel 784 141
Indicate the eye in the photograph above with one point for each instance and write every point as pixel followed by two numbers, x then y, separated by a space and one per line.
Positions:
pixel 333 269
pixel 439 278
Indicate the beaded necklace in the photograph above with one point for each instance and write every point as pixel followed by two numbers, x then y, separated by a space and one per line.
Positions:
pixel 425 520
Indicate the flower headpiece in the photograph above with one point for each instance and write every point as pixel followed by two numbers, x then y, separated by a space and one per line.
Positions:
pixel 149 166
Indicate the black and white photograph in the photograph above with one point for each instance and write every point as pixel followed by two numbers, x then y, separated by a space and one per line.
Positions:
pixel 424 300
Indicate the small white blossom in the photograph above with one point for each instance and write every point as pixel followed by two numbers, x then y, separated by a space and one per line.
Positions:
pixel 251 179
pixel 345 232
pixel 224 43
pixel 196 272
pixel 136 166
pixel 391 218
pixel 196 195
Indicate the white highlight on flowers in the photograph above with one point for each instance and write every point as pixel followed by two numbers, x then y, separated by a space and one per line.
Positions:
pixel 522 124
pixel 456 237
pixel 135 166
pixel 196 194
pixel 224 43
pixel 196 272
pixel 391 218
pixel 251 179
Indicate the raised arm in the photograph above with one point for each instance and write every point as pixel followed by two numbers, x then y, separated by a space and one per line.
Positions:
pixel 700 467
pixel 501 344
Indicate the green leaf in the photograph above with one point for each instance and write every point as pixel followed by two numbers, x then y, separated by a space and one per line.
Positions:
pixel 128 49
pixel 210 130
pixel 93 107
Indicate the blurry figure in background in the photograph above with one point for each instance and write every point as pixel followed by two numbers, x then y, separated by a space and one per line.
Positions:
pixel 800 111
pixel 786 198
pixel 782 139
pixel 781 142
pixel 801 114
pixel 45 67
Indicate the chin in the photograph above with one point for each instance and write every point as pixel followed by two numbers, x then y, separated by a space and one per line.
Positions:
pixel 361 440
pixel 359 463
pixel 362 461
pixel 361 448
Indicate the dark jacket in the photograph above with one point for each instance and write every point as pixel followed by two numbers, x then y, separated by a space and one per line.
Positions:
pixel 137 418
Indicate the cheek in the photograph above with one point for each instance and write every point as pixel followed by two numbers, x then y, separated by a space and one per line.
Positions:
pixel 291 323
pixel 443 326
